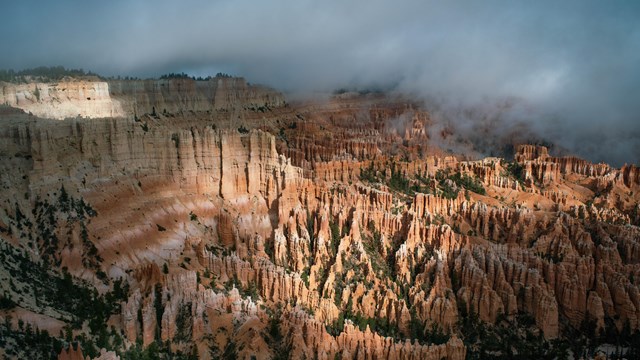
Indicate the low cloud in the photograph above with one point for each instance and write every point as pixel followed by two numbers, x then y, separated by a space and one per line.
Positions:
pixel 568 70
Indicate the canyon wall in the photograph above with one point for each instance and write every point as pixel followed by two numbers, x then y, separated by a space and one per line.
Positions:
pixel 329 231
pixel 120 98
pixel 59 100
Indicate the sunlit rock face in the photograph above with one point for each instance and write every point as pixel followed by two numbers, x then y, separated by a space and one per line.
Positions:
pixel 59 100
pixel 119 98
pixel 217 220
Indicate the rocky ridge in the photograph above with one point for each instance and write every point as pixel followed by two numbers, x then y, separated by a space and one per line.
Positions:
pixel 71 98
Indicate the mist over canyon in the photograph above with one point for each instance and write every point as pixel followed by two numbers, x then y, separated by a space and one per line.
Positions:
pixel 568 70
pixel 419 180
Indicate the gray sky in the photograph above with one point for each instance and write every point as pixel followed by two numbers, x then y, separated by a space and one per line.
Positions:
pixel 572 68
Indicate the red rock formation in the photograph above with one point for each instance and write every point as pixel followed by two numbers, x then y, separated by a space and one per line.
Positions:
pixel 526 152
pixel 71 353
pixel 224 239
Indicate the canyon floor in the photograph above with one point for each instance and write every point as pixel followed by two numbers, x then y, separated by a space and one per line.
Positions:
pixel 215 219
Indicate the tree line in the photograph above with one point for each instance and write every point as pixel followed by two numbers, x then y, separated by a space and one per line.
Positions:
pixel 56 73
pixel 43 73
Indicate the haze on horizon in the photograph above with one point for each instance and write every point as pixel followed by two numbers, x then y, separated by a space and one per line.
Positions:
pixel 569 69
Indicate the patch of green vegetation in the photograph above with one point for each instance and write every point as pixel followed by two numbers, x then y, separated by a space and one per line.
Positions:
pixel 633 215
pixel 468 182
pixel 554 258
pixel 265 108
pixel 282 135
pixel 423 185
pixel 507 339
pixel 157 350
pixel 335 236
pixel 417 331
pixel 42 73
pixel 63 216
pixel 183 323
pixel 175 137
pixel 77 302
pixel 515 170
pixel 372 246
pixel 311 221
pixel 369 174
pixel 28 343
pixel 448 191
pixel 462 181
pixel 157 304
pixel 398 181
pixel 339 288
pixel 6 302
pixel 175 76
pixel 251 291
pixel 305 275
pixel 275 338
pixel 243 130
pixel 426 335
pixel 378 325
